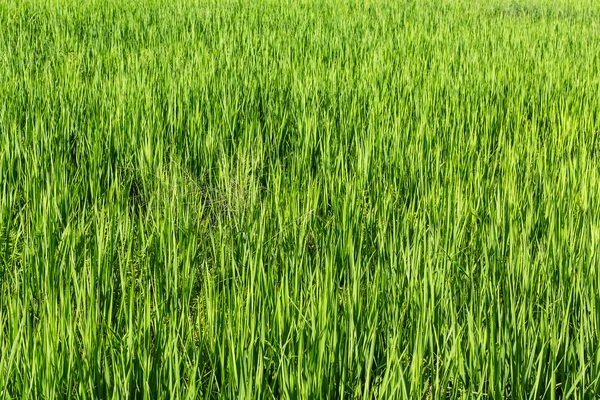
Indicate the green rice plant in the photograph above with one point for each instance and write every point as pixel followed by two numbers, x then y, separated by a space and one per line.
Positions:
pixel 276 199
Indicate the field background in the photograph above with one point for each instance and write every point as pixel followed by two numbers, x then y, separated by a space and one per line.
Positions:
pixel 313 199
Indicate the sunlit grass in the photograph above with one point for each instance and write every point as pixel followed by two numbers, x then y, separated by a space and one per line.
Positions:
pixel 277 199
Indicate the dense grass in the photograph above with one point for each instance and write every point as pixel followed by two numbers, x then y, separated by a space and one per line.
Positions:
pixel 378 199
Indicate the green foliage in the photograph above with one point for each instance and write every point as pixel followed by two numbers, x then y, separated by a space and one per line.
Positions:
pixel 281 199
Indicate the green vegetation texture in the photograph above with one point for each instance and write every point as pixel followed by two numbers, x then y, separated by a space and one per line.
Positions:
pixel 299 199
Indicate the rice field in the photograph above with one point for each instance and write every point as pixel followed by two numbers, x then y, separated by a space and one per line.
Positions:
pixel 304 199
